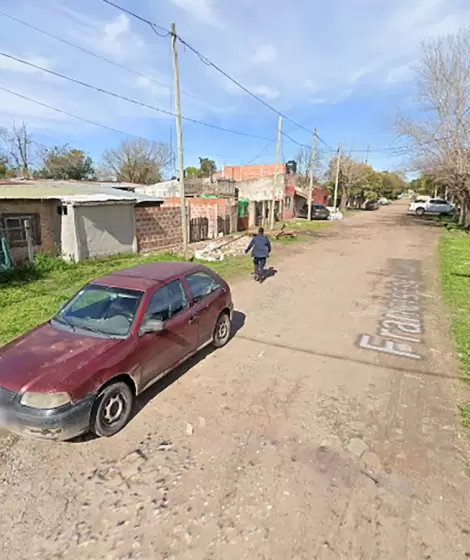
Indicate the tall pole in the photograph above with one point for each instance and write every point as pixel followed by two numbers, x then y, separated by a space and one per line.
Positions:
pixel 338 160
pixel 312 174
pixel 367 155
pixel 278 157
pixel 179 139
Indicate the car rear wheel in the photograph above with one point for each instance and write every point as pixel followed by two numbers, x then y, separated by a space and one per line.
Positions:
pixel 222 330
pixel 112 409
pixel 419 211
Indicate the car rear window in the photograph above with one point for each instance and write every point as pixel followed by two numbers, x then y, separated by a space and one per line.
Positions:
pixel 201 284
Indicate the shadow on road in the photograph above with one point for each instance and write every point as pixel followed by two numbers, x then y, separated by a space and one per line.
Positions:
pixel 238 322
pixel 269 272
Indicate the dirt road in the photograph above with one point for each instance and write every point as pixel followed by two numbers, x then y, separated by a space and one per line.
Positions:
pixel 307 437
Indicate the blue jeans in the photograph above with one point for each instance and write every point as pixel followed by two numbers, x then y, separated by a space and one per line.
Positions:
pixel 259 263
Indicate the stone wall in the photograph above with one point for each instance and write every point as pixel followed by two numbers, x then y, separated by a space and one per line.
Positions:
pixel 158 228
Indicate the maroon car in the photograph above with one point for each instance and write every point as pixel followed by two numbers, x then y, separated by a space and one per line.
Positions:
pixel 83 369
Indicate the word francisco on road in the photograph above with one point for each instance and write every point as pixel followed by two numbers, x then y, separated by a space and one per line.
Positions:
pixel 402 326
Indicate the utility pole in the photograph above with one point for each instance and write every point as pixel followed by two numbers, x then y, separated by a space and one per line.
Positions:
pixel 278 156
pixel 367 156
pixel 179 139
pixel 338 161
pixel 312 175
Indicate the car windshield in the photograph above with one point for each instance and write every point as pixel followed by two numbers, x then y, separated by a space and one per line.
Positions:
pixel 102 310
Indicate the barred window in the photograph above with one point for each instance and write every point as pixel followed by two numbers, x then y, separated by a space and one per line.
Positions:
pixel 13 226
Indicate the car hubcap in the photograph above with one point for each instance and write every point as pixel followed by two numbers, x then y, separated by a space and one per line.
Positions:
pixel 222 330
pixel 113 409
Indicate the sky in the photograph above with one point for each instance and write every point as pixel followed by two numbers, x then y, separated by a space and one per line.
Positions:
pixel 345 67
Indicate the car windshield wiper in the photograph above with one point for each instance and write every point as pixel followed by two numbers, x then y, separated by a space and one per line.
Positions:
pixel 92 329
pixel 62 319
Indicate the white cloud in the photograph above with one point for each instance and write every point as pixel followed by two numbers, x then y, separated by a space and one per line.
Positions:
pixel 264 54
pixel 266 91
pixel 355 46
pixel 201 9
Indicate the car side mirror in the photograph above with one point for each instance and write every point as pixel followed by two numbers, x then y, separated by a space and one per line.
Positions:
pixel 151 326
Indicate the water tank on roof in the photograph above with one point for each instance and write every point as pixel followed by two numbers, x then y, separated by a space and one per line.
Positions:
pixel 291 167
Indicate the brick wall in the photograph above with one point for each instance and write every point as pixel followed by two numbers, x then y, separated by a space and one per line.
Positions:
pixel 158 228
pixel 45 211
pixel 204 209
pixel 250 172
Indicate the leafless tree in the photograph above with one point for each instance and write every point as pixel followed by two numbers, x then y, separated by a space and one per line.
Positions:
pixel 438 130
pixel 138 161
pixel 18 147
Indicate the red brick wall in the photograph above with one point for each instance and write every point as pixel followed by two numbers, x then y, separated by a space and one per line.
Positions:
pixel 250 172
pixel 205 208
pixel 46 211
pixel 157 228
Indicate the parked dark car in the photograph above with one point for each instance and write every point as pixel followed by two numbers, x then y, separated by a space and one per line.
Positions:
pixel 82 370
pixel 372 205
pixel 319 212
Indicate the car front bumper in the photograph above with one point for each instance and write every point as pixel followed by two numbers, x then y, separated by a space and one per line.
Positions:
pixel 62 423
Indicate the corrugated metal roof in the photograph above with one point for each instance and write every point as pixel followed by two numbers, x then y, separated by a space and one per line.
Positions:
pixel 71 192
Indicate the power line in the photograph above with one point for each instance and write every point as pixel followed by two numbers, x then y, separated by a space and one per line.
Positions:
pixel 56 109
pixel 262 153
pixel 154 26
pixel 98 56
pixel 208 62
pixel 130 100
pixel 88 121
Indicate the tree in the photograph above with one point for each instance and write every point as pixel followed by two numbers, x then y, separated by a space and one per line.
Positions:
pixel 439 129
pixel 17 144
pixel 207 167
pixel 138 161
pixel 63 162
pixel 3 167
pixel 192 172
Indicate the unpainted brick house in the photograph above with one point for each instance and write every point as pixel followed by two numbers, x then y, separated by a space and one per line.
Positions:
pixel 75 219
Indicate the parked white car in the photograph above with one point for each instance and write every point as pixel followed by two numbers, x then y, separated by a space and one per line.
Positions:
pixel 435 206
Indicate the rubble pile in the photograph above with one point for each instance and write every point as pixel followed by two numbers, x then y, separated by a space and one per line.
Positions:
pixel 216 251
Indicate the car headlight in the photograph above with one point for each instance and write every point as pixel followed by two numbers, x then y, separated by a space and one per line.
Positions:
pixel 45 400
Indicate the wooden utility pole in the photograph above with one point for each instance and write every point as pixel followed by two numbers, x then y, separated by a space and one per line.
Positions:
pixel 312 175
pixel 278 157
pixel 338 161
pixel 179 139
pixel 367 155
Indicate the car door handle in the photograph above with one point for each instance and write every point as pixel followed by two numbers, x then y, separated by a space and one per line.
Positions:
pixel 192 319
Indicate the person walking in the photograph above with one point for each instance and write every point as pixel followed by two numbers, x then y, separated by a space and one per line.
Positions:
pixel 260 248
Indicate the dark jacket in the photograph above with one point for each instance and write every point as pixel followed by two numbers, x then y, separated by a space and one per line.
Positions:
pixel 259 246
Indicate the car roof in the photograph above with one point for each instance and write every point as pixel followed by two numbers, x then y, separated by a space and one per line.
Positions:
pixel 145 276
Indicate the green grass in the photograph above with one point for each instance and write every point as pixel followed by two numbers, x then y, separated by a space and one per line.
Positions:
pixel 455 278
pixel 299 225
pixel 29 297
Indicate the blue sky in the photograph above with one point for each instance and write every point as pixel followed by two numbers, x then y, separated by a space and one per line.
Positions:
pixel 343 66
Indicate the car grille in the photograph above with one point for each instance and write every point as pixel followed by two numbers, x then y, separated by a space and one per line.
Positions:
pixel 6 396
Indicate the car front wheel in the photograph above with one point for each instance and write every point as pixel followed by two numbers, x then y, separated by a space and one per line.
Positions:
pixel 112 409
pixel 222 330
pixel 419 211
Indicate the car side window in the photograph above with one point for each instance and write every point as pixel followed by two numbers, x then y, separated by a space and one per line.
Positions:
pixel 167 302
pixel 201 285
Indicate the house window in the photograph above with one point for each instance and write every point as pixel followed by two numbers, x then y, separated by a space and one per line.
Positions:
pixel 287 202
pixel 14 228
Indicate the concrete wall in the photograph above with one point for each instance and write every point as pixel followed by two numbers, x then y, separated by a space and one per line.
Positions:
pixel 158 228
pixel 262 189
pixel 105 229
pixel 45 215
